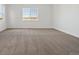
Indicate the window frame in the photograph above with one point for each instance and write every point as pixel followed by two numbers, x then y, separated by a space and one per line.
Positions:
pixel 30 17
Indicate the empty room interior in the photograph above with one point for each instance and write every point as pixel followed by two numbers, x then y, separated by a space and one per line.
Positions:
pixel 39 29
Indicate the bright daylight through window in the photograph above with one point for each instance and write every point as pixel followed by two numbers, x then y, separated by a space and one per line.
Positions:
pixel 30 14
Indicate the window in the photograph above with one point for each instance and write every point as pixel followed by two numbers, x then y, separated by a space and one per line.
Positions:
pixel 30 14
pixel 1 12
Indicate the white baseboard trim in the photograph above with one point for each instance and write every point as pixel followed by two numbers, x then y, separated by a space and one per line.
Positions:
pixel 77 36
pixel 31 28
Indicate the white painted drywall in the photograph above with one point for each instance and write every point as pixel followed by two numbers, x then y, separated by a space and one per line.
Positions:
pixel 62 17
pixel 2 22
pixel 14 16
pixel 66 18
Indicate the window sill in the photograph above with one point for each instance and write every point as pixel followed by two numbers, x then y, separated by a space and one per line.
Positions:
pixel 30 19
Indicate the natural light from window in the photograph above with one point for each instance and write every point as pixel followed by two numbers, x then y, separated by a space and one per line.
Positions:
pixel 1 12
pixel 30 14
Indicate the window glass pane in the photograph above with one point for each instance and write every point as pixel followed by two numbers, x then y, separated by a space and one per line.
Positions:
pixel 1 11
pixel 26 11
pixel 30 13
pixel 33 12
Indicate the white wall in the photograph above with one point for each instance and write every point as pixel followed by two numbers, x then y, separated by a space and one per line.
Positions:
pixel 2 22
pixel 62 17
pixel 14 16
pixel 66 18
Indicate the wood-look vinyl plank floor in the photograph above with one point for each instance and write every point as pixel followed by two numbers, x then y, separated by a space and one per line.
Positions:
pixel 37 42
